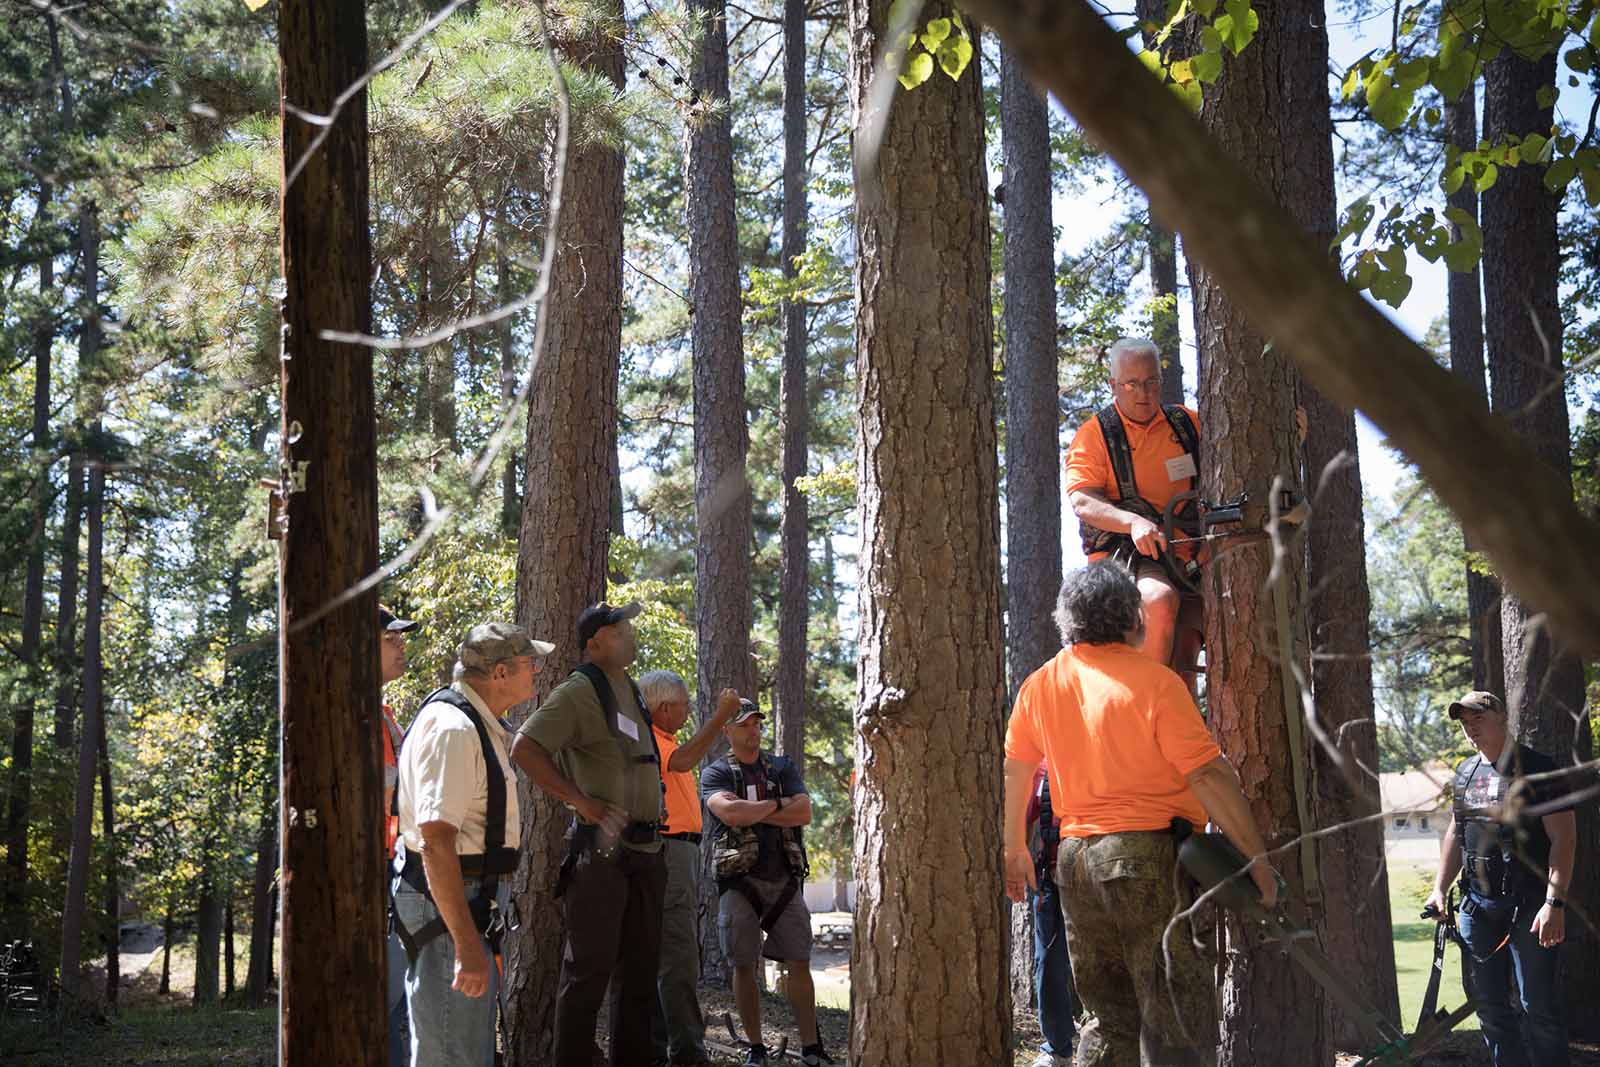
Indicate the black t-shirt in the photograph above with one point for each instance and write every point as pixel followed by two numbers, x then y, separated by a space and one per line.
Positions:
pixel 1481 794
pixel 784 781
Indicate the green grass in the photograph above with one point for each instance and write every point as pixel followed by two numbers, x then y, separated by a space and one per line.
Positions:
pixel 169 1037
pixel 1413 946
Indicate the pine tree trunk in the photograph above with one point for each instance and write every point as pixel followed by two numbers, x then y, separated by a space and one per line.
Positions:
pixel 928 970
pixel 794 408
pixel 108 830
pixel 82 837
pixel 566 510
pixel 1465 302
pixel 1161 244
pixel 1523 327
pixel 1033 472
pixel 262 914
pixel 1272 1012
pixel 227 946
pixel 26 686
pixel 66 645
pixel 332 868
pixel 165 985
pixel 722 607
pixel 510 496
pixel 208 932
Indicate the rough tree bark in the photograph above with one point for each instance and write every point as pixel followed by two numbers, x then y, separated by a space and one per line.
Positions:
pixel 207 931
pixel 332 846
pixel 1033 458
pixel 929 983
pixel 1358 929
pixel 91 394
pixel 1272 1012
pixel 1465 303
pixel 1283 280
pixel 108 828
pixel 722 606
pixel 1161 244
pixel 258 977
pixel 794 408
pixel 566 503
pixel 1522 324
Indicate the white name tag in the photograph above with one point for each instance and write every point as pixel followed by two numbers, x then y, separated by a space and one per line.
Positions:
pixel 751 792
pixel 626 725
pixel 1181 468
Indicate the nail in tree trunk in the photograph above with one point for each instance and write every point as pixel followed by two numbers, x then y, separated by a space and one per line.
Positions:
pixel 82 839
pixel 1033 457
pixel 1272 1013
pixel 1161 245
pixel 332 871
pixel 566 506
pixel 929 982
pixel 26 687
pixel 1465 308
pixel 108 829
pixel 262 914
pixel 722 606
pixel 1523 327
pixel 794 409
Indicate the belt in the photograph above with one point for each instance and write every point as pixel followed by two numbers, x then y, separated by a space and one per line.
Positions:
pixel 641 833
pixel 691 837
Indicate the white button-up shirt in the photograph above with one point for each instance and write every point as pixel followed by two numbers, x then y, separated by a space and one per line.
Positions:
pixel 443 777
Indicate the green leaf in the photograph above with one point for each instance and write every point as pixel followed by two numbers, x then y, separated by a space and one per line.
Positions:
pixel 1578 59
pixel 1357 217
pixel 1431 116
pixel 1210 39
pixel 1532 147
pixel 1190 93
pixel 1461 255
pixel 1152 62
pixel 1560 173
pixel 1394 257
pixel 1205 8
pixel 918 70
pixel 1412 74
pixel 1181 72
pixel 1352 82
pixel 1590 173
pixel 1486 179
pixel 1207 67
pixel 1453 179
pixel 1237 31
pixel 1365 270
pixel 954 57
pixel 1546 96
pixel 934 35
pixel 1453 71
pixel 1391 287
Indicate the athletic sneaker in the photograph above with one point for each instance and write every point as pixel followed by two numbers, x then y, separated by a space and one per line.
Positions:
pixel 814 1056
pixel 1050 1059
pixel 756 1057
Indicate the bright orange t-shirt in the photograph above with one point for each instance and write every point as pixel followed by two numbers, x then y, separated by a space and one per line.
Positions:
pixel 1153 445
pixel 1119 732
pixel 392 735
pixel 683 796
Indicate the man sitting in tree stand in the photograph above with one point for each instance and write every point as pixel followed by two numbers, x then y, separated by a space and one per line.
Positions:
pixel 1124 466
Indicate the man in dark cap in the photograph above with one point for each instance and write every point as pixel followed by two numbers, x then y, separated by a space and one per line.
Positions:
pixel 392 633
pixel 1513 839
pixel 590 745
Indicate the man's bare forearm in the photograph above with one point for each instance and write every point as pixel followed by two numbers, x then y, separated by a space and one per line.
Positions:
pixel 1217 787
pixel 538 766
pixel 692 751
pixel 1562 828
pixel 1019 786
pixel 1093 508
pixel 796 811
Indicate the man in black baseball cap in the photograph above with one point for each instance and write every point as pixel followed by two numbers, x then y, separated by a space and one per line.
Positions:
pixel 392 633
pixel 596 617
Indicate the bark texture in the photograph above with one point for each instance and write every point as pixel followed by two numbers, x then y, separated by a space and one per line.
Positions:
pixel 332 870
pixel 1522 324
pixel 258 976
pixel 927 966
pixel 1033 457
pixel 794 408
pixel 1465 304
pixel 1345 347
pixel 566 508
pixel 722 608
pixel 1272 1013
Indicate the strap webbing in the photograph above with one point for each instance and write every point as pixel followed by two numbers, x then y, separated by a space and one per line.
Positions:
pixel 1295 727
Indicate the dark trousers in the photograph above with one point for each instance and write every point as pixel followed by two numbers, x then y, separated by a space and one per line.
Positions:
pixel 1533 1032
pixel 1052 970
pixel 613 913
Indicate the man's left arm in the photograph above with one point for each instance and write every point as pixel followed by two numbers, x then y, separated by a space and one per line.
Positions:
pixel 1550 925
pixel 794 803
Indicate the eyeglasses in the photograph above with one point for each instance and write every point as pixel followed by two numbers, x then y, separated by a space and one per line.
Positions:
pixel 1135 385
pixel 395 639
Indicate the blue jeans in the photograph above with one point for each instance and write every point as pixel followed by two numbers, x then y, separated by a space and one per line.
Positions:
pixel 1052 971
pixel 448 1028
pixel 1532 1033
pixel 399 1033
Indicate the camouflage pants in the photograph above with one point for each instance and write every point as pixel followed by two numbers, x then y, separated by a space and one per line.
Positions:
pixel 1118 894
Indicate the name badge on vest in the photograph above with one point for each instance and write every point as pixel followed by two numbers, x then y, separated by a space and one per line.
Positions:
pixel 626 725
pixel 1180 468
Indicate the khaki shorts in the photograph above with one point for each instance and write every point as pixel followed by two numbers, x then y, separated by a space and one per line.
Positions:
pixel 739 927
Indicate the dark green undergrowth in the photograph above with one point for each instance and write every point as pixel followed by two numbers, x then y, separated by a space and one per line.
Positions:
pixel 170 1037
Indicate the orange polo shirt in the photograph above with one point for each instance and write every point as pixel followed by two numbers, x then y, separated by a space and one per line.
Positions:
pixel 1119 733
pixel 1153 445
pixel 683 796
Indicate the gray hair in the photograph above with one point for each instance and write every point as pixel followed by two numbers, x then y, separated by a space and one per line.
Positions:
pixel 659 686
pixel 1124 347
pixel 1099 605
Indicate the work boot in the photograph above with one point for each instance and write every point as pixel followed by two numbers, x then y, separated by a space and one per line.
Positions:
pixel 756 1057
pixel 814 1055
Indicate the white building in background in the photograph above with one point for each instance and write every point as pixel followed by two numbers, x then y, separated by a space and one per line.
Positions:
pixel 1416 807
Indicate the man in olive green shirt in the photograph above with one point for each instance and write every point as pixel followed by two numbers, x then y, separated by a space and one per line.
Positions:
pixel 594 750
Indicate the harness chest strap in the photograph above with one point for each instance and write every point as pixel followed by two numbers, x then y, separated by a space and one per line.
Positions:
pixel 740 883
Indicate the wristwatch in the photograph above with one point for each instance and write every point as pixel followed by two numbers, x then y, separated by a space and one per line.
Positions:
pixel 1554 903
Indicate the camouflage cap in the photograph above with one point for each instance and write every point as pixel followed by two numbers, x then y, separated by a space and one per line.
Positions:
pixel 1477 700
pixel 489 643
pixel 748 709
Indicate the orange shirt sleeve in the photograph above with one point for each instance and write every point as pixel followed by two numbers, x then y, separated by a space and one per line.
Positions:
pixel 1022 729
pixel 1180 732
pixel 1088 465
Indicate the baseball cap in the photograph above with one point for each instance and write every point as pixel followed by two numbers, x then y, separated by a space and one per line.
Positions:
pixel 495 642
pixel 602 614
pixel 388 623
pixel 747 710
pixel 1477 700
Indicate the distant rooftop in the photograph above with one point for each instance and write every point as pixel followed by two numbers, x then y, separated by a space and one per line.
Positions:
pixel 1423 790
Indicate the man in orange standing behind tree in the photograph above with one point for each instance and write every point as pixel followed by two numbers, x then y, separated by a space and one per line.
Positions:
pixel 1124 466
